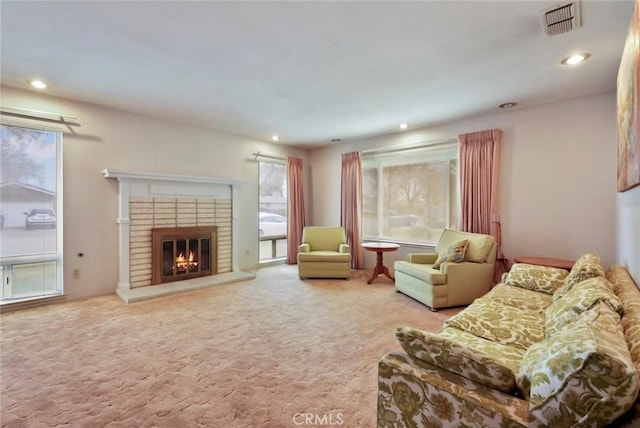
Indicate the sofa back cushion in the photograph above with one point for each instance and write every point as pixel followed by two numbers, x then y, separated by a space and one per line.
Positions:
pixel 537 278
pixel 583 375
pixel 581 298
pixel 587 266
pixel 324 238
pixel 478 248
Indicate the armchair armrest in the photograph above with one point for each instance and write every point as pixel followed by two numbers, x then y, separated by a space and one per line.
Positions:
pixel 472 270
pixel 304 248
pixel 467 280
pixel 423 258
pixel 344 248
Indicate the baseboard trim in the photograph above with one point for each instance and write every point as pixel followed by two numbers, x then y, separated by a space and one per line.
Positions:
pixel 31 303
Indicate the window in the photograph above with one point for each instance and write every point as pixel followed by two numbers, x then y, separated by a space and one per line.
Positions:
pixel 272 226
pixel 30 212
pixel 410 195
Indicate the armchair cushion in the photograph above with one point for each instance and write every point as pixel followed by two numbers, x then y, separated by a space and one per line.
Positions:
pixel 324 238
pixel 421 271
pixel 478 248
pixel 324 256
pixel 454 253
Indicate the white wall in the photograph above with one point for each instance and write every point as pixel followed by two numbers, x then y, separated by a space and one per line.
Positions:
pixel 119 140
pixel 557 181
pixel 628 234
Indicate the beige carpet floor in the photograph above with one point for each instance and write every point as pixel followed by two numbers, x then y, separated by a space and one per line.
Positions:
pixel 251 354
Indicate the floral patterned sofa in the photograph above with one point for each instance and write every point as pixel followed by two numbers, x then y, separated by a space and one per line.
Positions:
pixel 544 348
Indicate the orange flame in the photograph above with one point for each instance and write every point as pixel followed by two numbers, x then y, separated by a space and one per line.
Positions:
pixel 182 263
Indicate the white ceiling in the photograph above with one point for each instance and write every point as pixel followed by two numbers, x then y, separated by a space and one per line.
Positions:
pixel 309 71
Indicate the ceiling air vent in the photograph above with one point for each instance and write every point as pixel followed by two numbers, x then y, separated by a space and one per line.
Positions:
pixel 561 18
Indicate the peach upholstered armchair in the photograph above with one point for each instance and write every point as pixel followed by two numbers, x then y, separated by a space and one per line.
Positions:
pixel 451 283
pixel 324 253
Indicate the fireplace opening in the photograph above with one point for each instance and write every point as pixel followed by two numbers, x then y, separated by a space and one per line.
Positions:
pixel 183 252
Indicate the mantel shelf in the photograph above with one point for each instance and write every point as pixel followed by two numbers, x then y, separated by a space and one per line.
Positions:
pixel 140 176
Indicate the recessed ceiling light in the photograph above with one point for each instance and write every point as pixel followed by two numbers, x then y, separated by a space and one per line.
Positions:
pixel 275 138
pixel 575 59
pixel 38 84
pixel 508 105
pixel 403 126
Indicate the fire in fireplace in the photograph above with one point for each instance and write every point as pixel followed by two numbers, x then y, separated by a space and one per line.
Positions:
pixel 183 252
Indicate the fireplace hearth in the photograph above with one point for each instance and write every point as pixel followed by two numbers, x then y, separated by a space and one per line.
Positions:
pixel 180 253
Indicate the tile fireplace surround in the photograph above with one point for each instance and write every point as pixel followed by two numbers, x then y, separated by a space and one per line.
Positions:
pixel 146 201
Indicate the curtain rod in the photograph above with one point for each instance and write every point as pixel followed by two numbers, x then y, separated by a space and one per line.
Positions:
pixel 260 153
pixel 39 115
pixel 425 145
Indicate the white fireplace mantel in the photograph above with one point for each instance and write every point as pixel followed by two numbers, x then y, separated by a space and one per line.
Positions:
pixel 151 177
pixel 134 184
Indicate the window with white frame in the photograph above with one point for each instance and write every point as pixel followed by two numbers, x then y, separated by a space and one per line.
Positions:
pixel 272 222
pixel 30 211
pixel 410 195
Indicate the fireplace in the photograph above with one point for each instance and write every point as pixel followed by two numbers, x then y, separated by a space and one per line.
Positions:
pixel 180 253
pixel 148 201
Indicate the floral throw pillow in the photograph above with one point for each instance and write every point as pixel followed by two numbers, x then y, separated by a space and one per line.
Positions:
pixel 587 266
pixel 453 254
pixel 537 278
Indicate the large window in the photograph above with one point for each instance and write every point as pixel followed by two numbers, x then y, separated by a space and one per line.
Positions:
pixel 410 195
pixel 30 212
pixel 272 226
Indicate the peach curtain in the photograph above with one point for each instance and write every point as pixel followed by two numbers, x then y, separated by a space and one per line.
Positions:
pixel 351 204
pixel 479 177
pixel 295 207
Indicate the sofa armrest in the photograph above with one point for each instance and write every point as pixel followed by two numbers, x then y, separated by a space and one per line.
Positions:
pixel 485 366
pixel 304 248
pixel 344 248
pixel 443 398
pixel 422 258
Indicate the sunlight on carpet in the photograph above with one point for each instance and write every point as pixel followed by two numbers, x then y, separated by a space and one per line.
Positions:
pixel 248 354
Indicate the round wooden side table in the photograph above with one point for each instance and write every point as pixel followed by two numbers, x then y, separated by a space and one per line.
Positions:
pixel 380 248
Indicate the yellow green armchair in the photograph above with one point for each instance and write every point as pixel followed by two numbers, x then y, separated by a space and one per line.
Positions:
pixel 452 284
pixel 324 253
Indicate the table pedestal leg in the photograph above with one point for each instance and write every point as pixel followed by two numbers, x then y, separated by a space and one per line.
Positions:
pixel 380 269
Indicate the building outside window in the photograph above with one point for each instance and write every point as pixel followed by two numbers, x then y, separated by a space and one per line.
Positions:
pixel 30 212
pixel 410 195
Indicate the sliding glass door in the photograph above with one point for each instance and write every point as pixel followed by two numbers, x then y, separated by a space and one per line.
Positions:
pixel 30 212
